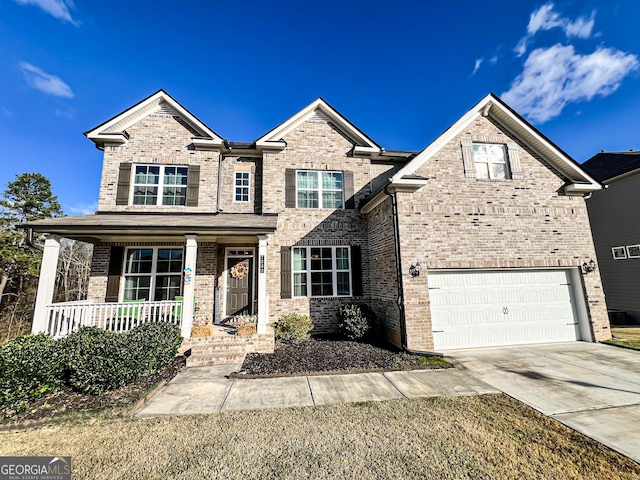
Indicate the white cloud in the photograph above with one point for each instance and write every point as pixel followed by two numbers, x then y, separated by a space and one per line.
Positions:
pixel 544 18
pixel 82 208
pixel 56 8
pixel 45 82
pixel 476 66
pixel 556 76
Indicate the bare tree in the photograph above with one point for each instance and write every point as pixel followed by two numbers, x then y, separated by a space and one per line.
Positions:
pixel 74 267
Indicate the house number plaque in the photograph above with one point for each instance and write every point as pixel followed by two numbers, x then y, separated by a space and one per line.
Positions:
pixel 261 263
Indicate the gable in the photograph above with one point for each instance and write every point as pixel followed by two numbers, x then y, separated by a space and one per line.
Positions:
pixel 577 180
pixel 114 130
pixel 319 111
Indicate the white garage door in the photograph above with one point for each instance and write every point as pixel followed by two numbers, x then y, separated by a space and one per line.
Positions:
pixel 486 308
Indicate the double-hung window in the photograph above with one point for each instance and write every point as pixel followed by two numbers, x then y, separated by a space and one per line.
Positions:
pixel 160 185
pixel 321 272
pixel 319 189
pixel 153 274
pixel 241 187
pixel 491 161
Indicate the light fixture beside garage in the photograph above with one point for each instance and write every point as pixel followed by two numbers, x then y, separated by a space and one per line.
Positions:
pixel 589 267
pixel 415 269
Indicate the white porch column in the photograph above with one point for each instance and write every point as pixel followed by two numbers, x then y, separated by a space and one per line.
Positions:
pixel 189 284
pixel 46 282
pixel 263 301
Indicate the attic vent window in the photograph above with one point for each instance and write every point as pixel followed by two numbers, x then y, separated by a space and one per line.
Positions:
pixel 491 161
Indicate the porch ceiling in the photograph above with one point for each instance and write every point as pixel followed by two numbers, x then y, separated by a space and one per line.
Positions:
pixel 102 225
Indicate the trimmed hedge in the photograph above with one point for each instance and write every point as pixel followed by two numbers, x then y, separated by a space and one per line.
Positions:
pixel 90 360
pixel 31 366
pixel 292 326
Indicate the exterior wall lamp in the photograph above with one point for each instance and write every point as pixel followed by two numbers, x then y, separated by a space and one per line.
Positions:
pixel 589 267
pixel 415 269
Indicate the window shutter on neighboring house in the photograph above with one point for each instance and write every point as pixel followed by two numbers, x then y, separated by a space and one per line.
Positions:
pixel 193 185
pixel 290 188
pixel 124 182
pixel 356 270
pixel 115 270
pixel 285 272
pixel 349 199
pixel 514 160
pixel 467 158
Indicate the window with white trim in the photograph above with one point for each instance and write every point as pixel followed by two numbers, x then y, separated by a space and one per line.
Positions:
pixel 241 187
pixel 321 272
pixel 619 253
pixel 633 251
pixel 153 273
pixel 319 189
pixel 160 185
pixel 491 161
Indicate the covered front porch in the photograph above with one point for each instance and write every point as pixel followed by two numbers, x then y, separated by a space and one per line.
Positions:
pixel 189 270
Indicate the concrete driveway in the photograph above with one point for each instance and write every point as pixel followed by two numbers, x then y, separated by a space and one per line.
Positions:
pixel 592 388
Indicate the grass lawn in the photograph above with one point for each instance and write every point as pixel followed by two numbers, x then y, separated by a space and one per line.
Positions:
pixel 480 437
pixel 625 337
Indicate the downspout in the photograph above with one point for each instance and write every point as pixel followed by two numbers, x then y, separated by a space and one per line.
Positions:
pixel 31 242
pixel 399 281
pixel 217 211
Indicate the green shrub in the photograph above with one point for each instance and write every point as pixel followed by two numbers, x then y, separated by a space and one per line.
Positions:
pixel 292 326
pixel 31 366
pixel 355 320
pixel 99 360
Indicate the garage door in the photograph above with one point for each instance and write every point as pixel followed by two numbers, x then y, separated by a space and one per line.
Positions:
pixel 487 308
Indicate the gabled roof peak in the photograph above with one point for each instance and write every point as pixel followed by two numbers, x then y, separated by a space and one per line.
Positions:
pixel 114 130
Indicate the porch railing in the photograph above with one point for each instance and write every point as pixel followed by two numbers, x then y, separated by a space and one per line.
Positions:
pixel 64 318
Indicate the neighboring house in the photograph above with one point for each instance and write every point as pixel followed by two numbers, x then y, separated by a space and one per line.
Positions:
pixel 615 225
pixel 477 240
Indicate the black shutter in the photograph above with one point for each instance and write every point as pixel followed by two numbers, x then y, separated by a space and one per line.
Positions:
pixel 285 272
pixel 115 270
pixel 349 199
pixel 124 182
pixel 356 270
pixel 290 188
pixel 193 185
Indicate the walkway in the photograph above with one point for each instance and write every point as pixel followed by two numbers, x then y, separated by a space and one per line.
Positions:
pixel 207 390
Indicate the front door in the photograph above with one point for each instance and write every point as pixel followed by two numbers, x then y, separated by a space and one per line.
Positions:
pixel 239 297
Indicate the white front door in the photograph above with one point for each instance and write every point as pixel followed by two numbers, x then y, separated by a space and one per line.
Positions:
pixel 509 307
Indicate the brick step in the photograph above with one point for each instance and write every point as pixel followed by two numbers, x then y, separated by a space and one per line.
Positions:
pixel 206 359
pixel 219 347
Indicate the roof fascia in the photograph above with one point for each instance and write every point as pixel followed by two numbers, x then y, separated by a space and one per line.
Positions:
pixel 406 185
pixel 621 176
pixel 124 120
pixel 273 138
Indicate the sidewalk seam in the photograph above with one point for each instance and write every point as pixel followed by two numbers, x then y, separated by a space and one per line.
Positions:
pixel 394 385
pixel 226 397
pixel 313 399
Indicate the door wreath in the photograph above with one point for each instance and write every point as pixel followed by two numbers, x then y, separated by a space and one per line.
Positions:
pixel 240 269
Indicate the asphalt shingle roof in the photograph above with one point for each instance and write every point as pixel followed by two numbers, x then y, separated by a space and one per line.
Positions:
pixel 606 165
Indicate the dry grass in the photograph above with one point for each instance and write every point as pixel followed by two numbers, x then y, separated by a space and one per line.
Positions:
pixel 625 337
pixel 482 437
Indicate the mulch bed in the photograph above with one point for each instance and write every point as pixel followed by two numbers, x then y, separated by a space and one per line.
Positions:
pixel 67 402
pixel 332 355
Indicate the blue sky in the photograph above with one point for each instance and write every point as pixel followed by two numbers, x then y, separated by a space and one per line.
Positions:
pixel 400 71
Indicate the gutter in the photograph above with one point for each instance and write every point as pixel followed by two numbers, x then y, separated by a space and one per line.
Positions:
pixel 31 242
pixel 399 281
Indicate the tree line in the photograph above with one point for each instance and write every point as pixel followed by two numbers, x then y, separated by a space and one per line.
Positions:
pixel 30 197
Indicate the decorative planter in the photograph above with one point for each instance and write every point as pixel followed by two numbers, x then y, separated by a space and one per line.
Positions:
pixel 246 330
pixel 202 331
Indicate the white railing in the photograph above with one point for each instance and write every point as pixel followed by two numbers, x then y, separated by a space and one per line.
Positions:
pixel 64 318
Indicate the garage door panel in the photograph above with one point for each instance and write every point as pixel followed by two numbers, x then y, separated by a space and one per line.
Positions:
pixel 501 308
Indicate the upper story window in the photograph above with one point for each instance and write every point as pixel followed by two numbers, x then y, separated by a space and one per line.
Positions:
pixel 319 189
pixel 490 161
pixel 160 185
pixel 153 274
pixel 241 187
pixel 321 272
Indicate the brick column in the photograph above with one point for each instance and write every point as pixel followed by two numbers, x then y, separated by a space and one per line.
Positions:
pixel 263 299
pixel 189 284
pixel 46 283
